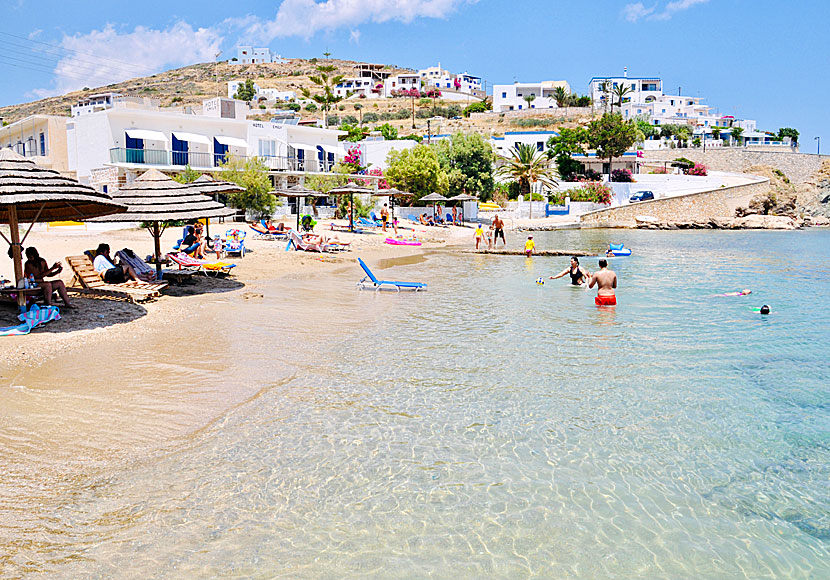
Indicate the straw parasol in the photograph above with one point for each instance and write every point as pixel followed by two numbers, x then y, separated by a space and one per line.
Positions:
pixel 298 191
pixel 207 185
pixel 30 193
pixel 435 198
pixel 155 198
pixel 350 189
pixel 462 197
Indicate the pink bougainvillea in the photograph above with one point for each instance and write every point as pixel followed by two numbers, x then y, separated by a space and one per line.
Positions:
pixel 699 170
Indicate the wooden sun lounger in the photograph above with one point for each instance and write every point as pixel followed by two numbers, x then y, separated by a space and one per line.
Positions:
pixel 88 282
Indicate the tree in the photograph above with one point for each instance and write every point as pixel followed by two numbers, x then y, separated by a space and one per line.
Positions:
pixel 715 132
pixel 245 91
pixel 358 107
pixel 189 175
pixel 527 165
pixel 611 136
pixel 326 98
pixel 646 129
pixel 355 132
pixel 467 159
pixel 560 95
pixel 683 134
pixel 417 171
pixel 252 174
pixel 788 132
pixel 529 98
pixel 620 91
pixel 389 132
pixel 737 132
pixel 477 107
pixel 563 147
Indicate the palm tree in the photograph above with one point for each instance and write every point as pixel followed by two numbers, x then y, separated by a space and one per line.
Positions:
pixel 620 91
pixel 527 165
pixel 529 98
pixel 560 95
pixel 716 133
pixel 737 132
pixel 683 134
pixel 326 98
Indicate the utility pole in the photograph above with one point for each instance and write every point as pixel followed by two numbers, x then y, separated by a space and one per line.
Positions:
pixel 818 145
pixel 429 132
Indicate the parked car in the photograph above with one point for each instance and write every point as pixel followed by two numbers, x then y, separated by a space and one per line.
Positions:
pixel 641 196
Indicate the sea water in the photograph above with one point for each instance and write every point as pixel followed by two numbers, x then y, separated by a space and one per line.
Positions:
pixel 490 427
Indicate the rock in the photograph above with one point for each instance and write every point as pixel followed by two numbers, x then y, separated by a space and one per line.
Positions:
pixel 766 222
pixel 645 219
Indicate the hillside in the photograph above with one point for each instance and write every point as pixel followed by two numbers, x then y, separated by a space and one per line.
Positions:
pixel 193 84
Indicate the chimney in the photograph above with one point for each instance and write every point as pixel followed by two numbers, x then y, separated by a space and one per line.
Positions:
pixel 625 72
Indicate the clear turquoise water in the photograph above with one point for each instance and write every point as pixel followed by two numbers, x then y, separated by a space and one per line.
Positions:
pixel 495 428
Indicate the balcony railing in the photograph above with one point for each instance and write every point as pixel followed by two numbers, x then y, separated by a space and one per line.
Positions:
pixel 203 160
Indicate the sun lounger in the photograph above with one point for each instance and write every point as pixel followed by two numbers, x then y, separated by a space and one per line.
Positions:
pixel 142 268
pixel 386 284
pixel 297 243
pixel 263 233
pixel 234 243
pixel 89 283
pixel 200 266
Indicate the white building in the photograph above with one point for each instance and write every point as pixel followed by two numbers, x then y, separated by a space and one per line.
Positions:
pixel 445 80
pixel 537 139
pixel 401 82
pixel 514 97
pixel 359 87
pixel 641 89
pixel 260 94
pixel 42 138
pixel 251 55
pixel 110 147
pixel 374 151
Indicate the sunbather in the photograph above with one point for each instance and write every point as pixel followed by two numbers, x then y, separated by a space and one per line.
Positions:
pixel 38 267
pixel 192 245
pixel 111 273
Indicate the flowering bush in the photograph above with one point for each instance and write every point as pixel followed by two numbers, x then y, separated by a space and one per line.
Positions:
pixel 432 93
pixel 698 169
pixel 375 171
pixel 659 171
pixel 352 157
pixel 592 191
pixel 622 176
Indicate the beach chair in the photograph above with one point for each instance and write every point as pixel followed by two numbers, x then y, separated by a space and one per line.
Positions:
pixel 195 266
pixel 386 284
pixel 263 232
pixel 296 242
pixel 234 243
pixel 142 268
pixel 367 222
pixel 89 283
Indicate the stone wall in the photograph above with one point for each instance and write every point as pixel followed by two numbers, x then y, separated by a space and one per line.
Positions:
pixel 797 166
pixel 563 113
pixel 719 204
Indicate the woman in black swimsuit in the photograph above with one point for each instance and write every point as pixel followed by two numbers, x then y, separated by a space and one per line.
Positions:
pixel 577 273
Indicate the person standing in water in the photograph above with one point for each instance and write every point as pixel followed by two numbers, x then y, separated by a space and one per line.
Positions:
pixel 498 227
pixel 578 274
pixel 606 281
pixel 530 245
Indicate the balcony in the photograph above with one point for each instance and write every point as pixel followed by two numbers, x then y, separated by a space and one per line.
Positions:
pixel 204 160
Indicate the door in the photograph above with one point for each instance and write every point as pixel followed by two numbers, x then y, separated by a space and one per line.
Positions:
pixel 220 152
pixel 135 150
pixel 180 149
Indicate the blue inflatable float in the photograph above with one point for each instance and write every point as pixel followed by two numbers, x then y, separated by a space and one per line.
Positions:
pixel 618 250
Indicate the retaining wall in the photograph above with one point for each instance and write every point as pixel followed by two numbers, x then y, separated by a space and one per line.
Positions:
pixel 719 203
pixel 797 166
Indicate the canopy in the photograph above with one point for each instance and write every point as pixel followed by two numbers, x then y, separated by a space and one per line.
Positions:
pixel 334 149
pixel 297 191
pixel 156 198
pixel 191 137
pixel 305 146
pixel 434 197
pixel 232 141
pixel 30 193
pixel 463 197
pixel 350 189
pixel 392 192
pixel 147 134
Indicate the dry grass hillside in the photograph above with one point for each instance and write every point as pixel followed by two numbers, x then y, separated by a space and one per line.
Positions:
pixel 193 84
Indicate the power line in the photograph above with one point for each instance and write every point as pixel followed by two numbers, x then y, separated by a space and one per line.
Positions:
pixel 42 69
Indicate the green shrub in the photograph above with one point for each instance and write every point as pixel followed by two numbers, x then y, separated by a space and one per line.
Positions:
pixel 371 118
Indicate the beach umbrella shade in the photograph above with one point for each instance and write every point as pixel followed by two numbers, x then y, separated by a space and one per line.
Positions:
pixel 297 192
pixel 391 193
pixel 30 193
pixel 435 198
pixel 155 199
pixel 462 197
pixel 207 185
pixel 350 189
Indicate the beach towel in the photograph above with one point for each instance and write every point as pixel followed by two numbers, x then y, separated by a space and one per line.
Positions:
pixel 32 319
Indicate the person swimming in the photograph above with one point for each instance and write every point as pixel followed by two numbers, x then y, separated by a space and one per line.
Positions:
pixel 577 273
pixel 744 292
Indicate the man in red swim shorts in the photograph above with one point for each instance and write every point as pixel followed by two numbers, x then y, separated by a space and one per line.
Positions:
pixel 606 282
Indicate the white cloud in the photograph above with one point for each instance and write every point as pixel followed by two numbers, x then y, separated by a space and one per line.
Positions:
pixel 637 11
pixel 354 36
pixel 305 18
pixel 107 56
pixel 34 34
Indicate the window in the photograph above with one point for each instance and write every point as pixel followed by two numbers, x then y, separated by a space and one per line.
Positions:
pixel 520 107
pixel 504 95
pixel 540 145
pixel 42 144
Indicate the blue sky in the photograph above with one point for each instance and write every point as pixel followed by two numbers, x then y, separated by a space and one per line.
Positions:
pixel 758 59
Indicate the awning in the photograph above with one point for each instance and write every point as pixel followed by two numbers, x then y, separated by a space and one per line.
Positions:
pixel 335 149
pixel 146 134
pixel 305 146
pixel 191 137
pixel 232 141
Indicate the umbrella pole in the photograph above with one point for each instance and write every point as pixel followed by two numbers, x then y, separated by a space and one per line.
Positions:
pixel 298 214
pixel 16 254
pixel 351 212
pixel 157 239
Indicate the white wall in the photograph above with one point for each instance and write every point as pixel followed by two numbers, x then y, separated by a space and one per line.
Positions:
pixel 374 153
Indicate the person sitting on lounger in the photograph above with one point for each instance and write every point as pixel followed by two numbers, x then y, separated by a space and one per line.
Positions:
pixel 39 268
pixel 192 245
pixel 111 273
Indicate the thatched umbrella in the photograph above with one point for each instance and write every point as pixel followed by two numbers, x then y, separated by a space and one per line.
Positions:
pixel 298 192
pixel 462 197
pixel 435 198
pixel 207 185
pixel 30 193
pixel 154 198
pixel 350 189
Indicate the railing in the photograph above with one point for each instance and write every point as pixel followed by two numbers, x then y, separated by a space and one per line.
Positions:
pixel 202 160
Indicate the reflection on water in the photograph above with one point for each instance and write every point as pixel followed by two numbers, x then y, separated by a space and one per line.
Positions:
pixel 490 427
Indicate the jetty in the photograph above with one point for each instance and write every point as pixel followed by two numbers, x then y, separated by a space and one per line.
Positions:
pixel 535 253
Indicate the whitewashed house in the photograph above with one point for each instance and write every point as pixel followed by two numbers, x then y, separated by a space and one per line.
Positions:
pixel 641 89
pixel 261 94
pixel 251 55
pixel 41 138
pixel 514 97
pixel 537 139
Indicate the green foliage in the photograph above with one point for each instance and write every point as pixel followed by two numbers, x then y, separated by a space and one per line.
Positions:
pixel 416 170
pixel 683 163
pixel 788 132
pixel 326 98
pixel 563 147
pixel 467 159
pixel 737 134
pixel 262 106
pixel 527 166
pixel 477 107
pixel 355 132
pixel 311 107
pixel 360 208
pixel 341 107
pixel 370 118
pixel 611 136
pixel 325 183
pixel 424 102
pixel 696 141
pixel 245 91
pixel 333 120
pixel 591 191
pixel 646 129
pixel 349 120
pixel 251 174
pixel 620 92
pixel 716 132
pixel 292 107
pixel 389 132
pixel 189 175
pixel 560 95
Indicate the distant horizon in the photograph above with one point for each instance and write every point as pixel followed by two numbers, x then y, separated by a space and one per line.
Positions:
pixel 764 64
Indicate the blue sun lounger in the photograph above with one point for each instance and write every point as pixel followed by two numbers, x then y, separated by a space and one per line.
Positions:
pixel 382 284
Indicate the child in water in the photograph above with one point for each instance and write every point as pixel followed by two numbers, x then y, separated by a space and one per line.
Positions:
pixel 530 245
pixel 479 234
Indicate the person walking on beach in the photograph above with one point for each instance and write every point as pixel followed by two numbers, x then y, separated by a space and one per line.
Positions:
pixel 606 282
pixel 479 234
pixel 489 235
pixel 498 231
pixel 578 274
pixel 384 215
